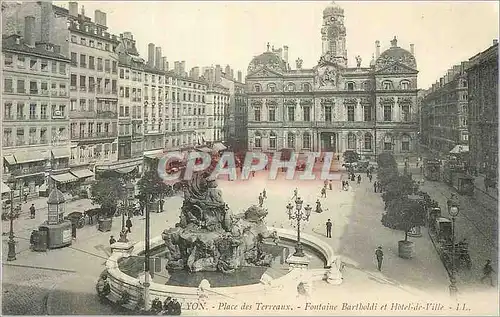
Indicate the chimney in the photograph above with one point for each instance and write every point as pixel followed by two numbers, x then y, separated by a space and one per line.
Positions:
pixel 285 55
pixel 495 42
pixel 177 67
pixel 218 73
pixel 29 31
pixel 412 49
pixel 227 71
pixel 46 21
pixel 100 18
pixel 151 55
pixel 83 11
pixel 377 49
pixel 73 9
pixel 158 58
pixel 240 76
pixel 232 73
pixel 183 68
pixel 164 63
pixel 103 18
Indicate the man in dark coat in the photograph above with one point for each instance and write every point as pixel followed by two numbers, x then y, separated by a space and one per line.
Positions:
pixel 328 229
pixel 128 224
pixel 375 186
pixel 379 254
pixel 32 211
pixel 177 307
pixel 112 240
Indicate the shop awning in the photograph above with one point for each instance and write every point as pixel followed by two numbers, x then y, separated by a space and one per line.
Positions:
pixel 5 188
pixel 219 147
pixel 64 178
pixel 60 153
pixel 204 149
pixel 10 159
pixel 460 149
pixel 125 170
pixel 27 157
pixel 153 154
pixel 82 173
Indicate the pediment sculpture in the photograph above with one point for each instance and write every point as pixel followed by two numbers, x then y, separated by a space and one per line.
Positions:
pixel 327 76
pixel 404 100
pixel 256 102
pixel 350 101
pixel 290 102
pixel 271 102
pixel 327 101
pixel 306 102
pixel 387 100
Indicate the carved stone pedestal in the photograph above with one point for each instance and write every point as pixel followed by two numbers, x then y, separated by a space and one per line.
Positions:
pixel 298 262
pixel 124 247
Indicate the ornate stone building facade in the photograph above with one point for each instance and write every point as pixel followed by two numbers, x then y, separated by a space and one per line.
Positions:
pixel 333 107
pixel 483 111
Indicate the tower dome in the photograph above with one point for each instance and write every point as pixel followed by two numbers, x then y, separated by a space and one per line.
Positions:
pixel 396 54
pixel 269 60
pixel 332 10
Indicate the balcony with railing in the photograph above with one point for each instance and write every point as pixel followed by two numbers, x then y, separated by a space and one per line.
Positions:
pixel 82 114
pixel 95 135
pixel 106 114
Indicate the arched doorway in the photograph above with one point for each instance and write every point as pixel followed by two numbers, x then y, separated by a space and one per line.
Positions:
pixel 328 142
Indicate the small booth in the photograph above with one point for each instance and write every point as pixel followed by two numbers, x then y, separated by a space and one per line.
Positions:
pixel 464 184
pixel 56 229
pixel 444 229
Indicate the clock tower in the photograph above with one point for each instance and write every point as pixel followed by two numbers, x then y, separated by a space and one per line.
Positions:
pixel 333 35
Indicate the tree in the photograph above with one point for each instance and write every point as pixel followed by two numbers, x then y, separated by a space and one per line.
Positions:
pixel 351 156
pixel 106 192
pixel 151 185
pixel 404 214
pixel 386 160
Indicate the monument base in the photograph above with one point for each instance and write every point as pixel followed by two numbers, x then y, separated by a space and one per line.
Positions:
pixel 298 262
pixel 58 235
pixel 124 247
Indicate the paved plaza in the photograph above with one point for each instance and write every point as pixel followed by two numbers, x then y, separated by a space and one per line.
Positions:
pixel 62 281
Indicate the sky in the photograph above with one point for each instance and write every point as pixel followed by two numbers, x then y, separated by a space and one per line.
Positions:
pixel 226 32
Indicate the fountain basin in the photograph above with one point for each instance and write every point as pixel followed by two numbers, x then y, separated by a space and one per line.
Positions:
pixel 121 282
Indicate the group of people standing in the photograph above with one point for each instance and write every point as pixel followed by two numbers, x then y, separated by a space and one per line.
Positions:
pixel 170 307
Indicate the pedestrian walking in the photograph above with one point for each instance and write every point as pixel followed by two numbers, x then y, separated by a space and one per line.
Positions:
pixel 128 224
pixel 323 192
pixel 379 254
pixel 264 193
pixel 261 200
pixel 253 173
pixel 329 229
pixel 359 179
pixel 325 183
pixel 488 272
pixel 330 185
pixel 112 240
pixel 370 177
pixel 32 211
pixel 318 207
pixel 162 202
pixel 295 193
pixel 25 198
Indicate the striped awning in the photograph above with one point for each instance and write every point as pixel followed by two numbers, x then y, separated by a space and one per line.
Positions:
pixel 64 178
pixel 10 159
pixel 31 156
pixel 60 153
pixel 82 173
pixel 219 147
pixel 5 188
pixel 153 154
pixel 204 149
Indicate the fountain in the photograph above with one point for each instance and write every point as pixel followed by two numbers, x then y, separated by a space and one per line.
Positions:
pixel 209 237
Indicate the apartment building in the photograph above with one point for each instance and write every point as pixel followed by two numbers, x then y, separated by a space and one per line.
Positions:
pixel 217 109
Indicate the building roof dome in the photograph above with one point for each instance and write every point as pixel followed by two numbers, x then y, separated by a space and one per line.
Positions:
pixel 269 60
pixel 396 54
pixel 333 9
pixel 56 197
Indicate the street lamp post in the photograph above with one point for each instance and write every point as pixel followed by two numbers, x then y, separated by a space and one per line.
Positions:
pixel 11 256
pixel 299 215
pixel 146 256
pixel 453 210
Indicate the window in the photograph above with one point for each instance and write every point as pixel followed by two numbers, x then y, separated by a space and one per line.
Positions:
pixel 291 87
pixel 387 85
pixel 107 65
pixel 83 41
pixel 271 87
pixel 114 67
pixel 21 61
pixel 387 113
pixel 291 114
pixel 73 38
pixel 43 136
pixel 306 87
pixel 20 110
pixel 290 140
pixel 8 110
pixel 306 113
pixel 258 140
pixel 405 113
pixel 73 81
pixel 83 80
pixel 54 66
pixel 8 60
pixel 99 64
pixel 33 88
pixel 366 85
pixel 74 58
pixel 44 65
pixel 351 141
pixel 21 89
pixel 33 64
pixel 405 143
pixel 20 136
pixel 328 114
pixel 43 112
pixel 388 143
pixel 83 60
pixel 405 85
pixel 350 113
pixel 368 141
pixel 256 114
pixel 62 68
pixel 350 86
pixel 306 140
pixel 7 85
pixel 367 113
